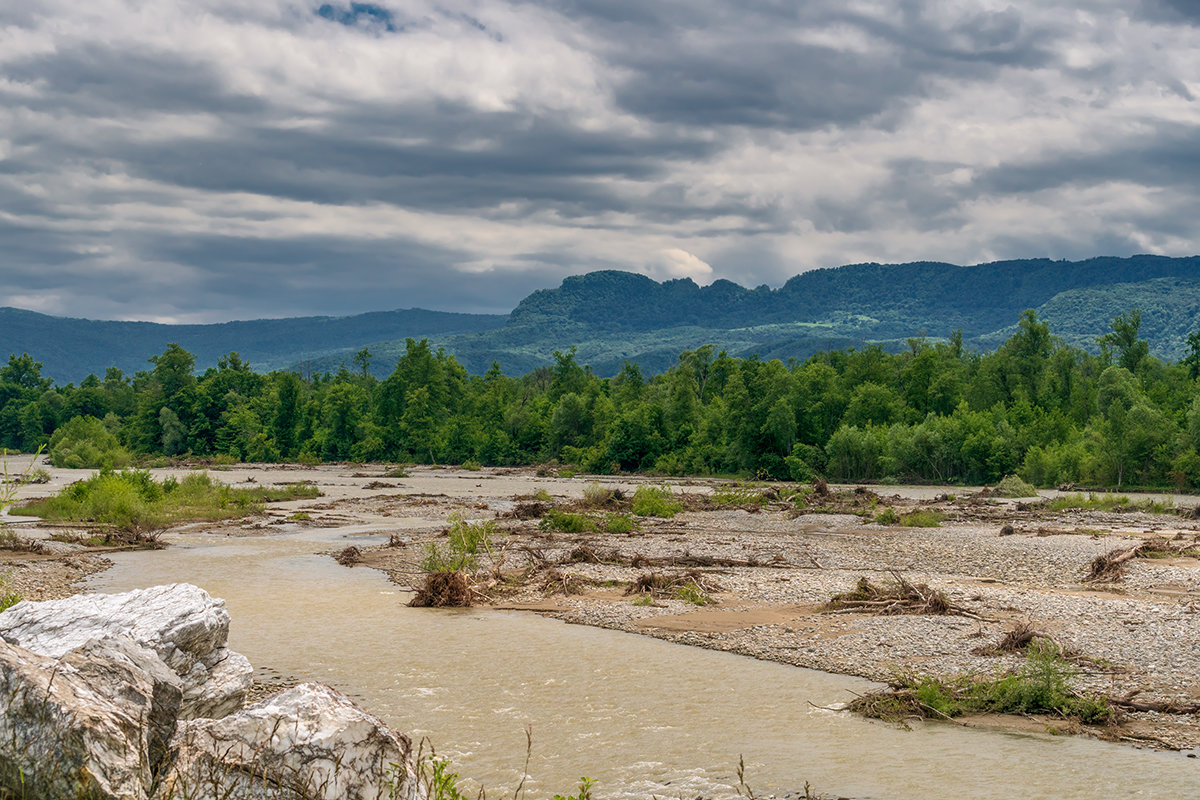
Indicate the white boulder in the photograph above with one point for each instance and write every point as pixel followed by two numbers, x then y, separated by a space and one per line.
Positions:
pixel 180 622
pixel 308 742
pixel 93 723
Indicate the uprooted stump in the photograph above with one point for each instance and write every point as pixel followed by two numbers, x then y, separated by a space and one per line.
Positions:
pixel 898 597
pixel 349 556
pixel 444 590
pixel 1110 567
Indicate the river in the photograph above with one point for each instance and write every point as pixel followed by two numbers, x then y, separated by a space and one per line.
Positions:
pixel 641 716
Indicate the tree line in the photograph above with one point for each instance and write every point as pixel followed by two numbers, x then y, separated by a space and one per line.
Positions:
pixel 933 412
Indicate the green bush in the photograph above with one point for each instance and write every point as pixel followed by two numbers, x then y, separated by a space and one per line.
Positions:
pixel 465 542
pixel 888 517
pixel 655 501
pixel 733 494
pixel 619 523
pixel 566 521
pixel 595 495
pixel 1041 686
pixel 1013 486
pixel 922 519
pixel 84 443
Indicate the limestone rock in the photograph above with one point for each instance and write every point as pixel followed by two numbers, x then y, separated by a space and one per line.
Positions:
pixel 84 725
pixel 181 623
pixel 307 742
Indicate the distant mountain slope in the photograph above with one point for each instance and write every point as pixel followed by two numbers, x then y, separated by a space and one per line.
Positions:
pixel 71 348
pixel 616 316
pixel 898 298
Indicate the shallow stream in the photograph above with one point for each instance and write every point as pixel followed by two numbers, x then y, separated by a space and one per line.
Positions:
pixel 641 716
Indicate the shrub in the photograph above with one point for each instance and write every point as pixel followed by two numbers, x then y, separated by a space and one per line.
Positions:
pixel 888 517
pixel 596 496
pixel 619 523
pixel 471 464
pixel 692 592
pixel 1041 686
pixel 922 519
pixel 465 542
pixel 84 443
pixel 1013 486
pixel 556 520
pixel 655 501
pixel 738 495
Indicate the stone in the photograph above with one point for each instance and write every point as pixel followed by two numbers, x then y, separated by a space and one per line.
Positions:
pixel 181 623
pixel 307 743
pixel 90 724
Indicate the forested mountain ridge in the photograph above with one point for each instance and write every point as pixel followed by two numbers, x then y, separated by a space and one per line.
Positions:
pixel 613 317
pixel 938 296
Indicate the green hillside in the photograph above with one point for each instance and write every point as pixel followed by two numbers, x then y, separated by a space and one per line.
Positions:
pixel 615 316
pixel 612 317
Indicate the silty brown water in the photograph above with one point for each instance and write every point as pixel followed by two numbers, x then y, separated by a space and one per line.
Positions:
pixel 641 716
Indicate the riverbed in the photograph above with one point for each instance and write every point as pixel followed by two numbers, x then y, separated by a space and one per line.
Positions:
pixel 641 716
pixel 648 716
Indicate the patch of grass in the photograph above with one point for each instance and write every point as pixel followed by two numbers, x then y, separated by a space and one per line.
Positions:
pixel 1040 686
pixel 472 465
pixel 597 496
pixel 465 542
pixel 566 521
pixel 692 592
pixel 646 599
pixel 8 599
pixel 738 495
pixel 922 518
pixel 38 475
pixel 1013 486
pixel 655 501
pixel 543 496
pixel 566 472
pixel 1107 502
pixel 619 523
pixel 396 472
pixel 300 516
pixel 888 517
pixel 132 502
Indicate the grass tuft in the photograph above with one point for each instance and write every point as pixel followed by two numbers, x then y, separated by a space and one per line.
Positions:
pixel 655 501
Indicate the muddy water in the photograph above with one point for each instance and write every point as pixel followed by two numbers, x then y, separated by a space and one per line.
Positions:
pixel 641 716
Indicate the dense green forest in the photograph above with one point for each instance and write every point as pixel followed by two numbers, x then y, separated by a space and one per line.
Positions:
pixel 935 412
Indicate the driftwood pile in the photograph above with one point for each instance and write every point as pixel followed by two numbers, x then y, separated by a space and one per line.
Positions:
pixel 1110 567
pixel 888 599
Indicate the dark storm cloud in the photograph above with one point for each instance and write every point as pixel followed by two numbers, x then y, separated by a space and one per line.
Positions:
pixel 291 156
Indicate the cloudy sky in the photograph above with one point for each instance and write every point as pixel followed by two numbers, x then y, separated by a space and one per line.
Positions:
pixel 206 160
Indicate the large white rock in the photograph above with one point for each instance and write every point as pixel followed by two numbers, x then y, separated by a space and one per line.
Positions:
pixel 181 623
pixel 308 742
pixel 93 723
